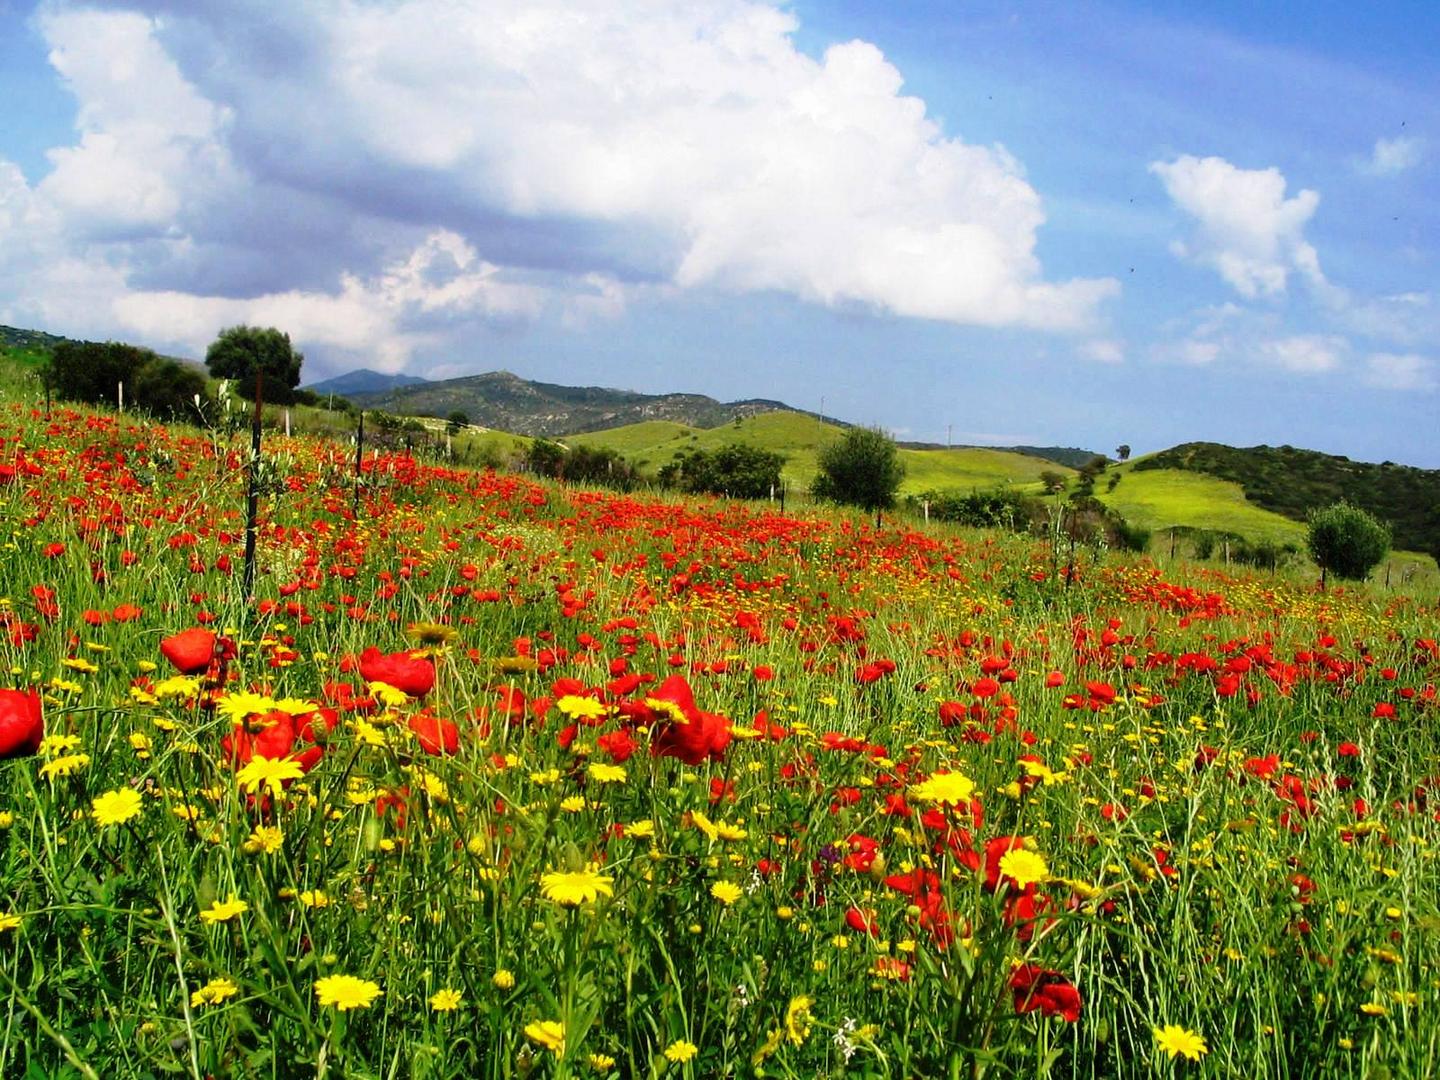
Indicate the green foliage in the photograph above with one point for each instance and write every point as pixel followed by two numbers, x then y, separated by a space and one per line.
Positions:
pixel 242 352
pixel 597 466
pixel 92 372
pixel 861 469
pixel 545 458
pixel 1346 541
pixel 594 465
pixel 736 470
pixel 1001 508
pixel 1293 482
pixel 456 422
pixel 1125 536
pixel 171 391
pixel 1052 481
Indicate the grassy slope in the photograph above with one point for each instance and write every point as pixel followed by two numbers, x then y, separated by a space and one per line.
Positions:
pixel 1292 482
pixel 1156 499
pixel 799 438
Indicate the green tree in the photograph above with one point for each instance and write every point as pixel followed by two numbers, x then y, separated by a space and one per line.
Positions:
pixel 169 390
pixel 456 422
pixel 1052 481
pixel 242 352
pixel 736 470
pixel 545 458
pixel 91 371
pixel 862 468
pixel 1346 541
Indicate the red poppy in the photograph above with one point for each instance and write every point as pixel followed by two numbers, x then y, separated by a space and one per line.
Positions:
pixel 862 922
pixel 190 650
pixel 684 731
pixel 270 736
pixel 22 727
pixel 405 671
pixel 1049 991
pixel 617 744
pixel 436 735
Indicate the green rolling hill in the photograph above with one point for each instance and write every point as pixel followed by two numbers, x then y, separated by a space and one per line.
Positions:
pixel 1160 499
pixel 799 437
pixel 1259 493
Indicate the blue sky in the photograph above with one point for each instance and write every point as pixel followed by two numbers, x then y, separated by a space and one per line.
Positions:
pixel 1059 223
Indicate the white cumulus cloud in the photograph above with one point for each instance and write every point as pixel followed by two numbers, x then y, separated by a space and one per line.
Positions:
pixel 1246 228
pixel 295 161
pixel 1400 371
pixel 1391 156
pixel 1306 354
pixel 381 320
pixel 1104 351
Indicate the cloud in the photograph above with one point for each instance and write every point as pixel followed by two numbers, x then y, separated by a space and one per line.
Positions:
pixel 1406 319
pixel 1247 230
pixel 1103 351
pixel 1249 338
pixel 381 320
pixel 1305 354
pixel 586 151
pixel 1193 352
pixel 1391 156
pixel 1400 371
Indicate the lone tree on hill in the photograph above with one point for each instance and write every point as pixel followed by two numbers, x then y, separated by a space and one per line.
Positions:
pixel 1346 541
pixel 862 469
pixel 242 352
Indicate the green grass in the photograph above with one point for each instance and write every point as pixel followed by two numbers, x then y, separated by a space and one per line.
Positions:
pixel 633 439
pixel 972 467
pixel 800 438
pixel 1158 499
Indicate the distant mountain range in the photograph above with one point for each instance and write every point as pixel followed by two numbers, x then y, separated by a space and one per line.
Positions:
pixel 363 381
pixel 14 338
pixel 503 400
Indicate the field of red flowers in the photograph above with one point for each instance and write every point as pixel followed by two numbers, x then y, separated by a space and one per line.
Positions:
pixel 496 778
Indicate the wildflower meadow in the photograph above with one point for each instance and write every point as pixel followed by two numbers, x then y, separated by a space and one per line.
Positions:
pixel 496 778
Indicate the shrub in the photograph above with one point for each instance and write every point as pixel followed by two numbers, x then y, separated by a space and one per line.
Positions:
pixel 1347 541
pixel 862 468
pixel 91 372
pixel 1125 536
pixel 997 509
pixel 737 471
pixel 169 390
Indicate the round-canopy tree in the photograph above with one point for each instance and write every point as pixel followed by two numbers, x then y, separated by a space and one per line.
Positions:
pixel 241 352
pixel 1346 541
pixel 862 468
